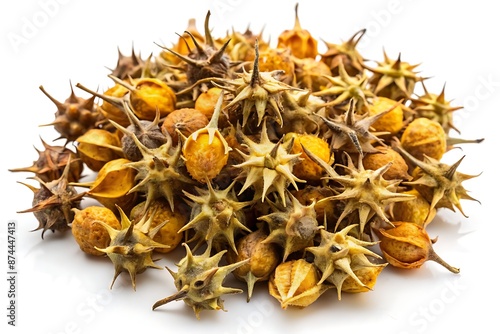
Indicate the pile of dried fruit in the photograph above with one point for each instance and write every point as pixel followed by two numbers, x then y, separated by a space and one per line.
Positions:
pixel 276 164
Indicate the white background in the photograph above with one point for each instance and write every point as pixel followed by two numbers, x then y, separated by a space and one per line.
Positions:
pixel 61 290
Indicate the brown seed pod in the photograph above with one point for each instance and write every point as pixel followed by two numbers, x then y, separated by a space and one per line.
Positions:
pixel 51 163
pixel 53 202
pixel 408 246
pixel 74 116
pixel 185 120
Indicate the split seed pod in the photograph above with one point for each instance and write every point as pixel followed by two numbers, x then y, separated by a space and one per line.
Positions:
pixel 295 283
pixel 408 246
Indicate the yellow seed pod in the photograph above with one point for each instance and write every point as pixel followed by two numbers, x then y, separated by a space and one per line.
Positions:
pixel 417 210
pixel 97 147
pixel 205 151
pixel 391 122
pixel 300 41
pixel 207 101
pixel 168 234
pixel 367 275
pixel 149 95
pixel 295 283
pixel 112 111
pixel 424 136
pixel 112 185
pixel 87 230
pixel 263 259
pixel 306 168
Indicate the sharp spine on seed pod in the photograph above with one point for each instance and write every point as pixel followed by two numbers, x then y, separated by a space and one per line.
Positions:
pixel 53 203
pixel 268 166
pixel 292 226
pixel 339 255
pixel 158 171
pixel 366 191
pixel 199 281
pixel 216 216
pixel 346 53
pixel 131 247
pixel 74 116
pixel 344 88
pixel 439 183
pixel 257 89
pixel 204 63
pixel 147 132
pixel 352 132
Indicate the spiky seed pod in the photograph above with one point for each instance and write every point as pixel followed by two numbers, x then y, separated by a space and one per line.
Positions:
pixel 205 151
pixel 88 233
pixel 96 147
pixel 435 107
pixel 340 255
pixel 263 259
pixel 408 246
pixel 424 137
pixel 147 132
pixel 160 210
pixel 311 74
pixel 366 191
pixel 204 62
pixel 438 182
pixel 299 40
pixel 268 166
pixel 184 44
pixel 394 79
pixel 352 133
pixel 295 283
pixel 53 203
pixel 292 226
pixel 217 217
pixel 299 112
pixel 184 120
pixel 258 89
pixel 345 53
pixel 159 172
pixel 74 116
pixel 241 44
pixel 344 88
pixel 199 281
pixel 131 247
pixel 51 163
pixel 128 66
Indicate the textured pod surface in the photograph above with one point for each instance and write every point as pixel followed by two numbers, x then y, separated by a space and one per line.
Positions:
pixel 295 283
